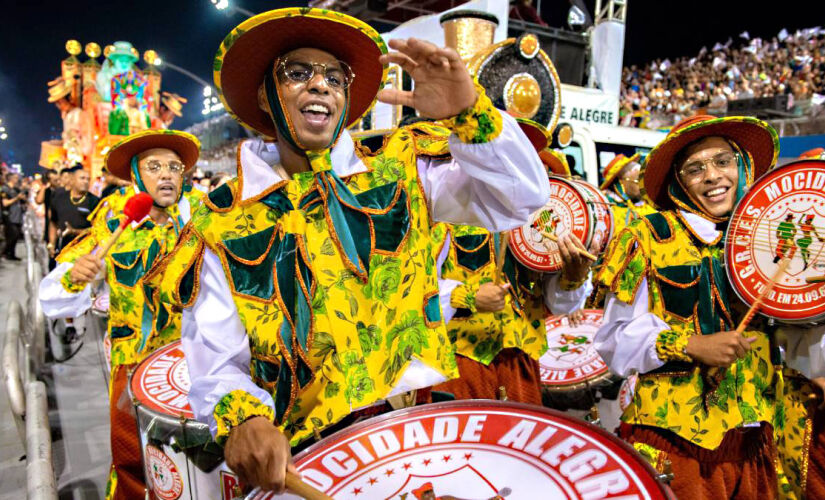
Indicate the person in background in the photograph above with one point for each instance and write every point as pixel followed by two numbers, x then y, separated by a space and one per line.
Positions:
pixel 113 182
pixel 13 198
pixel 219 179
pixel 70 209
pixel 44 197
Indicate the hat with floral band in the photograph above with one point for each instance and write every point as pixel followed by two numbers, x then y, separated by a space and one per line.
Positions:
pixel 248 52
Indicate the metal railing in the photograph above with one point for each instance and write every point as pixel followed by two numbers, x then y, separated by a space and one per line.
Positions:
pixel 40 480
pixel 11 368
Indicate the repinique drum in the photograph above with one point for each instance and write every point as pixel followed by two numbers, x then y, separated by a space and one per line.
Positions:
pixel 477 449
pixel 781 216
pixel 574 208
pixel 100 305
pixel 571 369
pixel 179 456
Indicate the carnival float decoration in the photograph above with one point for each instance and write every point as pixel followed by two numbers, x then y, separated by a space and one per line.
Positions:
pixel 101 102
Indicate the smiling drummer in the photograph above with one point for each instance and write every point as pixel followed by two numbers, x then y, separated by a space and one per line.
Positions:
pixel 311 277
pixel 498 329
pixel 705 398
pixel 154 161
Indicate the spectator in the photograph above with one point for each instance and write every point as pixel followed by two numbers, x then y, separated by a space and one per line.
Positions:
pixel 113 182
pixel 13 198
pixel 45 197
pixel 70 209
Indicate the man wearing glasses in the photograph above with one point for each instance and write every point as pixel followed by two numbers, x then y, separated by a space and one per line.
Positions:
pixel 705 400
pixel 312 277
pixel 155 162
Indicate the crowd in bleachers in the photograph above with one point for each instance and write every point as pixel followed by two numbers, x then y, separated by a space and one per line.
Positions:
pixel 664 91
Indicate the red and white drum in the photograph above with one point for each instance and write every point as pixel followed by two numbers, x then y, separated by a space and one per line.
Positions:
pixel 781 216
pixel 574 207
pixel 571 368
pixel 179 456
pixel 477 450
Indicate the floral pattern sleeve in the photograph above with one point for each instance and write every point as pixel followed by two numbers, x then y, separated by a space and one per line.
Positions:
pixel 478 124
pixel 671 345
pixel 625 267
pixel 464 297
pixel 82 245
pixel 236 408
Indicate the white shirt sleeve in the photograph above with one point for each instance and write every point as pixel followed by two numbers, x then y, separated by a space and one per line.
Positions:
pixel 216 345
pixel 627 338
pixel 495 185
pixel 560 301
pixel 805 349
pixel 56 301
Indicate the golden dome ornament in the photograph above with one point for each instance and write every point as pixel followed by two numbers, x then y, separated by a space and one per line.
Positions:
pixel 108 50
pixel 528 46
pixel 93 50
pixel 522 95
pixel 150 57
pixel 73 47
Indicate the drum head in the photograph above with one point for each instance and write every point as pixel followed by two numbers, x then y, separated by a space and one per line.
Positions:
pixel 602 229
pixel 566 212
pixel 781 216
pixel 571 362
pixel 477 450
pixel 161 382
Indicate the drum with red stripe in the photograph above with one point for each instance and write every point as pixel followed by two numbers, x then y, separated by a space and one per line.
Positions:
pixel 574 208
pixel 781 216
pixel 571 369
pixel 477 450
pixel 180 459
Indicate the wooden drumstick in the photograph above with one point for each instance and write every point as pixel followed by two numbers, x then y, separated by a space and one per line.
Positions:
pixel 584 253
pixel 136 208
pixel 504 239
pixel 780 272
pixel 295 484
pixel 815 279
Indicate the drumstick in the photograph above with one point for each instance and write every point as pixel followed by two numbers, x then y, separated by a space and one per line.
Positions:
pixel 780 272
pixel 584 253
pixel 296 485
pixel 504 239
pixel 137 207
pixel 815 279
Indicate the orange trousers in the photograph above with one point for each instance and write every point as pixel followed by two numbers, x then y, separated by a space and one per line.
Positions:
pixel 815 484
pixel 741 468
pixel 512 369
pixel 126 480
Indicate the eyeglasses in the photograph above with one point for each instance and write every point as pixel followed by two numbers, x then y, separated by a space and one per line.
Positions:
pixel 694 171
pixel 174 166
pixel 338 75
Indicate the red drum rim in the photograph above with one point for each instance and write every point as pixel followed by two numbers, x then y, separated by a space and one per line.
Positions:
pixel 647 476
pixel 580 382
pixel 518 239
pixel 787 313
pixel 600 199
pixel 155 391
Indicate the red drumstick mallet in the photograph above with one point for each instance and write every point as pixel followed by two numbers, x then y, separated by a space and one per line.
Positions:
pixel 137 207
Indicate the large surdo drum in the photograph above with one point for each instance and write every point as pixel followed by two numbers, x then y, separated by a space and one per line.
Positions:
pixel 781 216
pixel 575 207
pixel 477 450
pixel 180 459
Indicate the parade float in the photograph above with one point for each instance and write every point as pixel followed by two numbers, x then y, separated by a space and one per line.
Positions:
pixel 101 102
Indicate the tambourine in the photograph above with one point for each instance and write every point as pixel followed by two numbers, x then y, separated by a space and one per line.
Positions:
pixel 575 207
pixel 571 368
pixel 477 449
pixel 781 216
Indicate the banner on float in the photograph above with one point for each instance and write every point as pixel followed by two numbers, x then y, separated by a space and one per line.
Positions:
pixel 583 105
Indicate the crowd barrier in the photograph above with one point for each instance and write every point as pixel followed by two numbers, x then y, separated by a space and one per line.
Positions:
pixel 26 329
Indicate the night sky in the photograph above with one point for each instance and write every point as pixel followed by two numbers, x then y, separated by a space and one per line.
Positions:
pixel 187 32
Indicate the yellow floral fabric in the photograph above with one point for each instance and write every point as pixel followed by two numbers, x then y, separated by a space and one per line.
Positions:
pixel 133 333
pixel 793 441
pixel 237 407
pixel 625 212
pixel 364 329
pixel 678 399
pixel 480 336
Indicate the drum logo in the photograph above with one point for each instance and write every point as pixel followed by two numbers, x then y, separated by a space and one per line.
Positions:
pixel 162 382
pixel 571 358
pixel 476 453
pixel 564 213
pixel 161 471
pixel 783 216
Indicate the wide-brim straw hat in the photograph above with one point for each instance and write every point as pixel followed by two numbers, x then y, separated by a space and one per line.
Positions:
pixel 535 132
pixel 752 135
pixel 615 167
pixel 118 160
pixel 555 161
pixel 248 51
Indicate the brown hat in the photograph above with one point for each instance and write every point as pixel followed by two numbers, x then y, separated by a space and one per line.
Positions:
pixel 247 54
pixel 173 103
pixel 119 158
pixel 754 136
pixel 535 132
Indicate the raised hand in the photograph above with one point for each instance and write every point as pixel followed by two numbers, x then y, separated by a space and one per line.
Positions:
pixel 443 87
